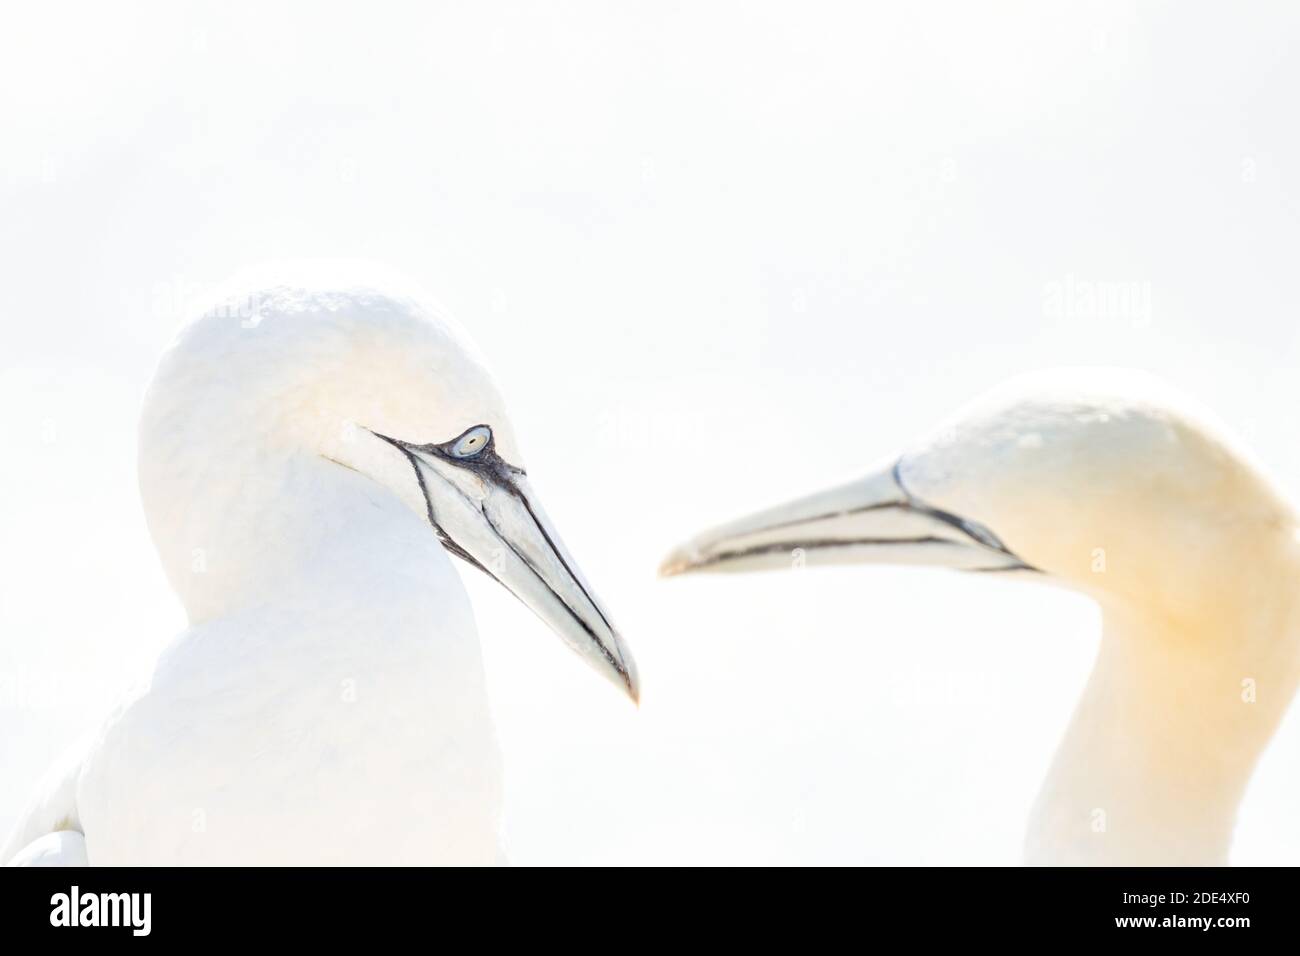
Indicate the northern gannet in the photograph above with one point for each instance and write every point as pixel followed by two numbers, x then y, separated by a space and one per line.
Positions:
pixel 1105 482
pixel 310 459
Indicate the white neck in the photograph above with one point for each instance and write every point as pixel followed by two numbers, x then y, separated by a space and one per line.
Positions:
pixel 328 603
pixel 1164 739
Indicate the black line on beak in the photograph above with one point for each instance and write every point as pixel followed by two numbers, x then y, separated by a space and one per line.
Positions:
pixel 447 540
pixel 830 543
pixel 972 529
pixel 605 651
pixel 976 532
pixel 555 549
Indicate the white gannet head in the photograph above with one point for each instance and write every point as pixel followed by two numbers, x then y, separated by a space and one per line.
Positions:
pixel 1098 479
pixel 377 383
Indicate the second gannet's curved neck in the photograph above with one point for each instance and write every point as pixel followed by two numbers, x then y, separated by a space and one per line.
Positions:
pixel 1170 725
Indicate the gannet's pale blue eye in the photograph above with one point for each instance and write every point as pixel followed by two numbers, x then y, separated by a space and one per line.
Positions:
pixel 472 442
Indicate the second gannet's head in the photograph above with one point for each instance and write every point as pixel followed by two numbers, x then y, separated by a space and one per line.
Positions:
pixel 295 377
pixel 1098 479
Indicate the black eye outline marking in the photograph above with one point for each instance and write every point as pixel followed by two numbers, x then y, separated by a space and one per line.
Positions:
pixel 475 431
pixel 485 461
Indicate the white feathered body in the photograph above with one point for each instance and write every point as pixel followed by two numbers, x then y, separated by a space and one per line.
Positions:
pixel 344 722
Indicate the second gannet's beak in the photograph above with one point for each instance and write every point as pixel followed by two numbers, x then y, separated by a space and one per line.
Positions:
pixel 871 521
pixel 484 511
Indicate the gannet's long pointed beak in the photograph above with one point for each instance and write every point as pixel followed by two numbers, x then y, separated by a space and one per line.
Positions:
pixel 871 521
pixel 485 512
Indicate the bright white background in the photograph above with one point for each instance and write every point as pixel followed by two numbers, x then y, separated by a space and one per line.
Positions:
pixel 718 254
